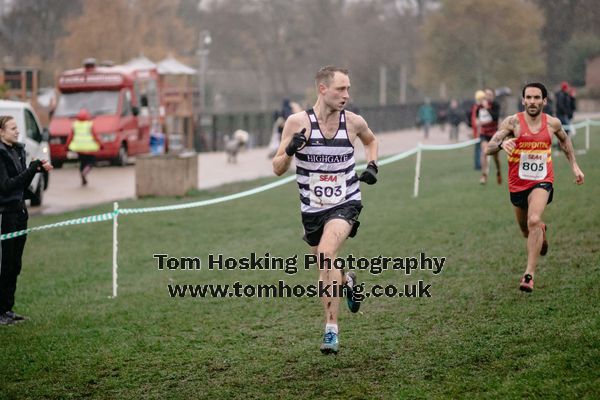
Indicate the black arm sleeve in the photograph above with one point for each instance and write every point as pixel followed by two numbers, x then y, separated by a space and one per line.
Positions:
pixel 21 181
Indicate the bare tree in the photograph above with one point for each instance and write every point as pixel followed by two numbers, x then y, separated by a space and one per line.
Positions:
pixel 269 47
pixel 32 28
pixel 117 30
pixel 564 19
pixel 470 44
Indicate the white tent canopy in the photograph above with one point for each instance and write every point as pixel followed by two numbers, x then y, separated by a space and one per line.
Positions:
pixel 140 62
pixel 171 66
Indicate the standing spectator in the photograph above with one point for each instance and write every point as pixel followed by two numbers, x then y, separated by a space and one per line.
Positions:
pixel 15 178
pixel 286 109
pixel 488 114
pixel 564 107
pixel 479 97
pixel 442 116
pixel 573 95
pixel 426 116
pixel 84 143
pixel 454 117
pixel 548 108
pixel 278 123
pixel 157 139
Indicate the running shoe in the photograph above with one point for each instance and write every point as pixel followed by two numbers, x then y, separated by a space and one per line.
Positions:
pixel 544 249
pixel 483 179
pixel 16 317
pixel 5 319
pixel 353 303
pixel 330 343
pixel 526 283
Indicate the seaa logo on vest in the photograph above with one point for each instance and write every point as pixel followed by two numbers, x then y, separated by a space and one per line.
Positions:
pixel 328 178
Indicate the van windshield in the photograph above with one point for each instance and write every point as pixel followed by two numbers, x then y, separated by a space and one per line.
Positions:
pixel 97 103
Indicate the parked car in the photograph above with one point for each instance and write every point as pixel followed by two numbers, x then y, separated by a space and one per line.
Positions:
pixel 35 139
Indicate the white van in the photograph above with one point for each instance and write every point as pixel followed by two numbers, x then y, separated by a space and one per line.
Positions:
pixel 35 140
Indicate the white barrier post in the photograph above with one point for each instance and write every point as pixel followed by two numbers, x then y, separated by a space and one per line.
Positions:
pixel 587 134
pixel 417 170
pixel 115 249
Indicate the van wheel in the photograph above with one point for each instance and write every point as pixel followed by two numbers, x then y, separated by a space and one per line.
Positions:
pixel 39 192
pixel 122 158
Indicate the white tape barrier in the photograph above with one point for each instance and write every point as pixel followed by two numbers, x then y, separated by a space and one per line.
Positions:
pixel 115 214
pixel 586 124
pixel 454 146
pixel 395 158
pixel 77 221
pixel 109 216
pixel 202 203
pixel 173 207
pixel 421 147
pixel 583 124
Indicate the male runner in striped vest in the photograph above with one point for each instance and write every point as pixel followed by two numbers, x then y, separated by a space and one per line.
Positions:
pixel 322 141
pixel 530 169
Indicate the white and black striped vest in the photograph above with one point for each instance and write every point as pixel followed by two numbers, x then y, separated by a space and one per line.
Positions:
pixel 325 169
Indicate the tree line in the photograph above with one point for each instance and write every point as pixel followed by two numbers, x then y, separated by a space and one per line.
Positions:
pixel 270 49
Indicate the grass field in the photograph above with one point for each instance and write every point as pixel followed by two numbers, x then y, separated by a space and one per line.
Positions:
pixel 478 336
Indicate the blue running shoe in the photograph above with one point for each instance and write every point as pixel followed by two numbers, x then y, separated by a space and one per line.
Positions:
pixel 353 303
pixel 330 343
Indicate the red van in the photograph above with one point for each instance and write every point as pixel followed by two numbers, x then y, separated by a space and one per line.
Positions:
pixel 124 103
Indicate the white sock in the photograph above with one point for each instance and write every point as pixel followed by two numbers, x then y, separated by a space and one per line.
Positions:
pixel 331 328
pixel 349 281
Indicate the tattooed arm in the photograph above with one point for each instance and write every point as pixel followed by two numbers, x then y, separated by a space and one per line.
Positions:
pixel 507 129
pixel 567 146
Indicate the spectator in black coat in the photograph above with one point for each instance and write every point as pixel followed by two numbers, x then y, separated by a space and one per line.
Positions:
pixel 565 106
pixel 15 179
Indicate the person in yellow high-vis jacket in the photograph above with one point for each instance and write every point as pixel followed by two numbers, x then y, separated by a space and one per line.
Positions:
pixel 84 143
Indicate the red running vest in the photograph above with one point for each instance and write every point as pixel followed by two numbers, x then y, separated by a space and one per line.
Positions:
pixel 531 161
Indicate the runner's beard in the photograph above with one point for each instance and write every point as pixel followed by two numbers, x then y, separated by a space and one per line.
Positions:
pixel 535 112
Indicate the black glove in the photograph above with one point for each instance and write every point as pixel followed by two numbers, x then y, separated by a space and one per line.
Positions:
pixel 298 141
pixel 36 165
pixel 369 175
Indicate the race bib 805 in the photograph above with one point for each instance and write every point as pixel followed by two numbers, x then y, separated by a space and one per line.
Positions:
pixel 533 167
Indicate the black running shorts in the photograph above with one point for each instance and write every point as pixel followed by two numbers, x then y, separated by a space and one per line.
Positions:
pixel 519 199
pixel 314 223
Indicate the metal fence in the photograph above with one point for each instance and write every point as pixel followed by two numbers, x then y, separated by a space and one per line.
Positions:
pixel 390 118
pixel 260 124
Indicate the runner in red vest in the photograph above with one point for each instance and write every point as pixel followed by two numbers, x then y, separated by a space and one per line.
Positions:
pixel 530 171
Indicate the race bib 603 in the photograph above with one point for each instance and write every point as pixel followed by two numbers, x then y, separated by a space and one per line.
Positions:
pixel 327 189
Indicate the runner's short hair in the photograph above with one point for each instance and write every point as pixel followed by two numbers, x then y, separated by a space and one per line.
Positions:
pixel 536 85
pixel 325 74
